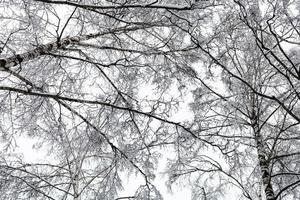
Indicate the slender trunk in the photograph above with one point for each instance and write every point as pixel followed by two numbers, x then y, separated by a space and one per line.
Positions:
pixel 7 63
pixel 76 188
pixel 264 164
pixel 41 50
pixel 76 181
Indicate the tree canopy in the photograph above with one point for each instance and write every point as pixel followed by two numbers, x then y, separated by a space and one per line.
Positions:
pixel 100 88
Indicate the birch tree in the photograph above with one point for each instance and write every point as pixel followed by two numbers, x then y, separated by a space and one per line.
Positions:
pixel 95 86
pixel 250 48
pixel 71 79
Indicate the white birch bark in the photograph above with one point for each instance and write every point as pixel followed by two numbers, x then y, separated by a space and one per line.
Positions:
pixel 264 164
pixel 7 63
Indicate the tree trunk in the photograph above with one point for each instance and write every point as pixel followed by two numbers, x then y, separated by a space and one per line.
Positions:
pixel 263 161
pixel 7 63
